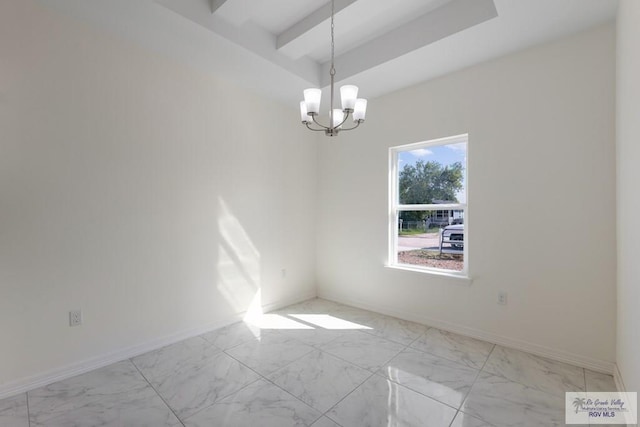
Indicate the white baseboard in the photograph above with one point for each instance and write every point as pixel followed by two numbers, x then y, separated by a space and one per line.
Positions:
pixel 558 355
pixel 289 301
pixel 61 373
pixel 617 377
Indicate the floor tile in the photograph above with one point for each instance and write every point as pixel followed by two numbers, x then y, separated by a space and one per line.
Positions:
pixel 318 357
pixel 599 382
pixel 260 404
pixel 398 330
pixel 364 318
pixel 232 335
pixel 439 378
pixel 537 372
pixel 315 337
pixel 157 365
pixel 469 351
pixel 502 402
pixel 270 353
pixel 192 375
pixel 13 411
pixel 320 379
pixel 312 306
pixel 466 420
pixel 325 422
pixel 333 321
pixel 116 395
pixel 367 351
pixel 380 402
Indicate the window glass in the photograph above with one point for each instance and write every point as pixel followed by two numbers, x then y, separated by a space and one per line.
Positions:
pixel 428 201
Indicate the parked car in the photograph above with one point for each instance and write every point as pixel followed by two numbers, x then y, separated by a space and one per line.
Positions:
pixel 453 233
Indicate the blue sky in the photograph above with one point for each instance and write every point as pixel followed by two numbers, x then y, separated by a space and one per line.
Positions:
pixel 443 154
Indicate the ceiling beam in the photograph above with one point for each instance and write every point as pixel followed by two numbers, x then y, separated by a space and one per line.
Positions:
pixel 448 19
pixel 307 23
pixel 217 4
pixel 250 38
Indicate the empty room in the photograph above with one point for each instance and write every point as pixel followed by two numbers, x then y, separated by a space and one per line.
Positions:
pixel 327 213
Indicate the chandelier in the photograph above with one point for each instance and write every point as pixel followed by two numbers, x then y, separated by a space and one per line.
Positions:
pixel 351 104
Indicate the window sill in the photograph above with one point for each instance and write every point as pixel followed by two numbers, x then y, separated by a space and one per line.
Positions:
pixel 460 278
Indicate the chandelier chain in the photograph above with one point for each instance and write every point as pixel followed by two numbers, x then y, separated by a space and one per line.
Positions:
pixel 309 108
pixel 333 69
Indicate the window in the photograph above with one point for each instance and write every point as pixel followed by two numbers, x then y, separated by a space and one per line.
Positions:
pixel 428 206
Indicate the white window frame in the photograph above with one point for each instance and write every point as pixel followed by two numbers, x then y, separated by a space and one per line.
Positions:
pixel 395 207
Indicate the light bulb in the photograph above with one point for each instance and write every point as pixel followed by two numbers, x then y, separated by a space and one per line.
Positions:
pixel 348 94
pixel 360 110
pixel 312 100
pixel 304 116
pixel 338 117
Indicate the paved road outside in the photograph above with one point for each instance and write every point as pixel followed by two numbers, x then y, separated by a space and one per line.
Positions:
pixel 419 241
pixel 429 241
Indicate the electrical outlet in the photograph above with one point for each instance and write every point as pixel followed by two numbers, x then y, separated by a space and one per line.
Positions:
pixel 502 298
pixel 75 318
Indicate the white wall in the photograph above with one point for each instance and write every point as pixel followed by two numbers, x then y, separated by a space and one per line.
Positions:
pixel 541 201
pixel 135 189
pixel 628 177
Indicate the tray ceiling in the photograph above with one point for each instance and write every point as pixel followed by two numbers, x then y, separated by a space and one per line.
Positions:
pixel 279 47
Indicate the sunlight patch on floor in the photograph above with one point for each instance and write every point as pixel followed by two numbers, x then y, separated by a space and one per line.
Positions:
pixel 258 319
pixel 327 321
pixel 276 321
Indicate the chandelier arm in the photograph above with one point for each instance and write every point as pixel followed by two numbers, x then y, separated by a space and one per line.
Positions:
pixel 313 117
pixel 357 124
pixel 346 116
pixel 315 130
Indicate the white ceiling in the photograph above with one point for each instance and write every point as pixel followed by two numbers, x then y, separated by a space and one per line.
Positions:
pixel 279 47
pixel 368 32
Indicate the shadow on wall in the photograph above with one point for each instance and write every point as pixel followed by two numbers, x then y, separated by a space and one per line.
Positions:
pixel 239 278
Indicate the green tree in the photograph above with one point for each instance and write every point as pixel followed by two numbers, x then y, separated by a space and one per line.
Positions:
pixel 426 182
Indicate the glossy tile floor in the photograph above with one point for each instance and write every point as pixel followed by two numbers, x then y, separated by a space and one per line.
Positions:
pixel 317 364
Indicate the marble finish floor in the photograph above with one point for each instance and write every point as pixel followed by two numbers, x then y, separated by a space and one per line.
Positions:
pixel 319 364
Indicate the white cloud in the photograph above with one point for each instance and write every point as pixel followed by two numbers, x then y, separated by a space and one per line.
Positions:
pixel 421 152
pixel 462 146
